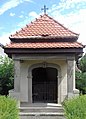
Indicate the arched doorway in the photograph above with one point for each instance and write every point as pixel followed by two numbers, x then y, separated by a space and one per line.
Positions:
pixel 44 85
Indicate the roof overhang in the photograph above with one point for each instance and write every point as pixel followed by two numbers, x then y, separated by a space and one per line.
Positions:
pixel 20 51
pixel 44 38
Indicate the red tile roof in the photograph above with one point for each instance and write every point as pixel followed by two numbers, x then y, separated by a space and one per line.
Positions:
pixel 44 26
pixel 46 45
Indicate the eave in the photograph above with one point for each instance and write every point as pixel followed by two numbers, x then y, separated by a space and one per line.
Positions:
pixel 21 51
pixel 45 39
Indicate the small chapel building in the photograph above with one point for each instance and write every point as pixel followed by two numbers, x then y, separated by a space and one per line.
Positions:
pixel 44 53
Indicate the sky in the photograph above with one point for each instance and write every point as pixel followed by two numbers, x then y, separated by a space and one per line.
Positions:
pixel 15 14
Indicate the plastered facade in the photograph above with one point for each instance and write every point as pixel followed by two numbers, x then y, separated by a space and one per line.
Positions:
pixel 23 75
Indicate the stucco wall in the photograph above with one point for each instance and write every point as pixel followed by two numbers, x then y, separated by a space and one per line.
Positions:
pixel 26 79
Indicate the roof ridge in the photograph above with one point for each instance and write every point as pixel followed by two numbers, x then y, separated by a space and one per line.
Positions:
pixel 81 44
pixel 56 22
pixel 43 25
pixel 61 24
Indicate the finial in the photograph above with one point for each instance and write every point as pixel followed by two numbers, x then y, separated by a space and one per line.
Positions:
pixel 44 9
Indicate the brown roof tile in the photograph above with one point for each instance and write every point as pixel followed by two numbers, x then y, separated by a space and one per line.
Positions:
pixel 46 45
pixel 51 33
pixel 44 26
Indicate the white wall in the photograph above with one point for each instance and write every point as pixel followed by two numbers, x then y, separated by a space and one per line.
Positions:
pixel 24 77
pixel 2 51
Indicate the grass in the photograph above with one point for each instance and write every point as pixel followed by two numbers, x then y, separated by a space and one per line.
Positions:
pixel 75 108
pixel 8 108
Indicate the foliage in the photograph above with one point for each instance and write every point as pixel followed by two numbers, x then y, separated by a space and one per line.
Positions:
pixel 81 82
pixel 82 64
pixel 81 76
pixel 8 108
pixel 75 108
pixel 6 75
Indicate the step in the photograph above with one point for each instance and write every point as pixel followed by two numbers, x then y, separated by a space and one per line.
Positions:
pixel 41 109
pixel 42 115
pixel 26 104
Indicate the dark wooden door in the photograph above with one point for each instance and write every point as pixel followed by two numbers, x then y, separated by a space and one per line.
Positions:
pixel 44 85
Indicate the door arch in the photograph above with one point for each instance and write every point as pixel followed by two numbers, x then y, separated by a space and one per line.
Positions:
pixel 47 66
pixel 44 85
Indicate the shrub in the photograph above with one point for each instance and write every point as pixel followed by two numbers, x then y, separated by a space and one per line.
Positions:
pixel 6 75
pixel 75 108
pixel 8 108
pixel 81 82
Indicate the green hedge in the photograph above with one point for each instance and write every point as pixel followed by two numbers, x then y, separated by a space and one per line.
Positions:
pixel 75 108
pixel 8 108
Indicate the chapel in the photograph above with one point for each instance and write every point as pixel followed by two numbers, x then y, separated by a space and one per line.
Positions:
pixel 45 54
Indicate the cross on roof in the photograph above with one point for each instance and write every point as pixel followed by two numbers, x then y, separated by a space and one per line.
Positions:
pixel 45 9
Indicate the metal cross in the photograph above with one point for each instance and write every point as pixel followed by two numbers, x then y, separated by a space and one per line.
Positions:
pixel 45 9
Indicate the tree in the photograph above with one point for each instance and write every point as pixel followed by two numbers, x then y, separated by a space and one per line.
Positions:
pixel 6 75
pixel 81 82
pixel 82 64
pixel 81 76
